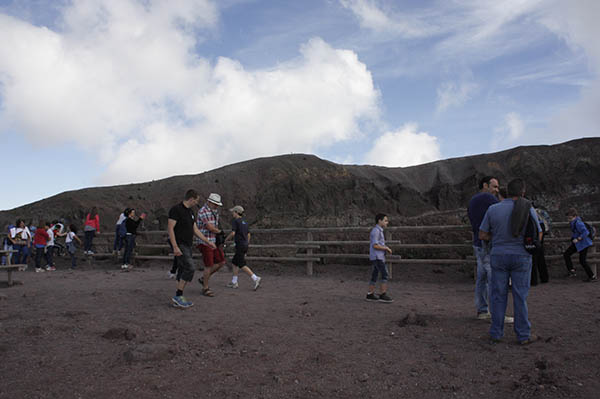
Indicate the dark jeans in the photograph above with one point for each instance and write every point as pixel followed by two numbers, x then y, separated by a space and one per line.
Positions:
pixel 582 259
pixel 185 264
pixel 21 256
pixel 379 267
pixel 71 249
pixel 50 255
pixel 89 237
pixel 539 266
pixel 129 245
pixel 118 240
pixel 39 252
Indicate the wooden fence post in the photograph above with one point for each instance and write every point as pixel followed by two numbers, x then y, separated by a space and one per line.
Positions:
pixel 309 253
pixel 594 265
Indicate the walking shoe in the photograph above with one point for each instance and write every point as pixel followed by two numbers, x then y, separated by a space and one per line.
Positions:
pixel 532 338
pixel 124 267
pixel 171 275
pixel 90 252
pixel 572 273
pixel 592 279
pixel 509 320
pixel 181 302
pixel 384 297
pixel 232 285
pixel 257 283
pixel 372 297
pixel 484 316
pixel 50 268
pixel 39 270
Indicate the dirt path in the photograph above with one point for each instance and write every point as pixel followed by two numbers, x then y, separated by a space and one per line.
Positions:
pixel 93 333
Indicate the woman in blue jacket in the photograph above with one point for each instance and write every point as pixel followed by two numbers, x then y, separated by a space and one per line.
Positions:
pixel 580 242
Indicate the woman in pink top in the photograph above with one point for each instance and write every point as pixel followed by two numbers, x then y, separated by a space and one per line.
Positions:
pixel 91 226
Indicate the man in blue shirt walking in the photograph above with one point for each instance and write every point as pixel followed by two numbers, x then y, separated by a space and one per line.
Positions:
pixel 509 260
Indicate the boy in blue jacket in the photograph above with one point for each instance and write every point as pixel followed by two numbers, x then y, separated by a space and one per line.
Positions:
pixel 580 242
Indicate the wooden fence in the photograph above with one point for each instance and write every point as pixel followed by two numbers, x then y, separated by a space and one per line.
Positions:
pixel 347 245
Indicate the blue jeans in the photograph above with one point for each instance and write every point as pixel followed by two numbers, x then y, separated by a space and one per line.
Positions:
pixel 483 283
pixel 89 237
pixel 129 244
pixel 21 256
pixel 379 266
pixel 118 240
pixel 518 269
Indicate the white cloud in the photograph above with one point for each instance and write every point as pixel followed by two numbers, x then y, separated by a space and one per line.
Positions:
pixel 122 80
pixel 454 94
pixel 510 132
pixel 372 16
pixel 404 147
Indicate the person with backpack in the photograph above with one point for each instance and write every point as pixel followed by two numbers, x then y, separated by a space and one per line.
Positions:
pixel 581 240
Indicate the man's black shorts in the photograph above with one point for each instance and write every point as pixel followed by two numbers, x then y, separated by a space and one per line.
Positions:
pixel 239 259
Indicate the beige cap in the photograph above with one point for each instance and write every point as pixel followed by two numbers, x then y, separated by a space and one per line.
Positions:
pixel 237 209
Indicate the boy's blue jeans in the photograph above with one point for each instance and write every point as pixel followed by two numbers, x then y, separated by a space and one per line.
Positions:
pixel 518 269
pixel 379 267
pixel 483 283
pixel 129 245
pixel 22 255
pixel 118 240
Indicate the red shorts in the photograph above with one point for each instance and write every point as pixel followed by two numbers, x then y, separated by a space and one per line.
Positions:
pixel 211 256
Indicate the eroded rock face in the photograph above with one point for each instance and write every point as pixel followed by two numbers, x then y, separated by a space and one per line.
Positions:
pixel 303 190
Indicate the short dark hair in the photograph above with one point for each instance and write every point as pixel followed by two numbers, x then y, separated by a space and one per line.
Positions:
pixel 571 212
pixel 379 217
pixel 73 228
pixel 18 222
pixel 190 194
pixel 485 180
pixel 502 192
pixel 516 187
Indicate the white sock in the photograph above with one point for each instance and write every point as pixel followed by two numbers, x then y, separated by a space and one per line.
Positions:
pixel 254 277
pixel 234 279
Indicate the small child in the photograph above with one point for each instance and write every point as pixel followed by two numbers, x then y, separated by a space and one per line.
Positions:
pixel 242 239
pixel 377 250
pixel 40 239
pixel 69 241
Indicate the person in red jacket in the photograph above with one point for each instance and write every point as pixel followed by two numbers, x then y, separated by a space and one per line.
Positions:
pixel 40 239
pixel 90 228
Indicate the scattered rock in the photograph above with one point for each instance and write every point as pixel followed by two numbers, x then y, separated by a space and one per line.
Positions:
pixel 149 352
pixel 119 333
pixel 413 319
pixel 364 377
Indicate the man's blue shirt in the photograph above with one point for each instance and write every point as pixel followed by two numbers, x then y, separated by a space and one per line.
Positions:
pixel 497 222
pixel 478 205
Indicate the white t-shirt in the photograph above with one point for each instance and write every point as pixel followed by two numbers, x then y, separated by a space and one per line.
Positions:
pixel 22 233
pixel 51 239
pixel 69 237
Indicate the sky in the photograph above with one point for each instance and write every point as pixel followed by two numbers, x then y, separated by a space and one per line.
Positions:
pixel 106 92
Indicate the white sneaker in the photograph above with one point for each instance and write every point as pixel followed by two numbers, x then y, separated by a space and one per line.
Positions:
pixel 484 316
pixel 257 283
pixel 509 320
pixel 39 270
pixel 171 275
pixel 124 267
pixel 90 252
pixel 50 268
pixel 232 285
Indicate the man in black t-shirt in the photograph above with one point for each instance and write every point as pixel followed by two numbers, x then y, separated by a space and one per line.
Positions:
pixel 241 233
pixel 182 228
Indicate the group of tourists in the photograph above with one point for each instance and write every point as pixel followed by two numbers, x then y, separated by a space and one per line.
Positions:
pixel 508 237
pixel 504 261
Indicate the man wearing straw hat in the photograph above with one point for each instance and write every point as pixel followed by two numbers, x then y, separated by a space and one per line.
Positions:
pixel 208 223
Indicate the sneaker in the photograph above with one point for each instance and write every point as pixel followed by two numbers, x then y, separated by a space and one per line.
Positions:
pixel 372 297
pixel 171 275
pixel 484 316
pixel 232 285
pixel 572 273
pixel 592 279
pixel 384 297
pixel 257 283
pixel 39 270
pixel 181 302
pixel 124 267
pixel 532 338
pixel 50 268
pixel 509 320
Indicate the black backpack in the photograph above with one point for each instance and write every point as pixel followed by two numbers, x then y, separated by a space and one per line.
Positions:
pixel 531 238
pixel 591 230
